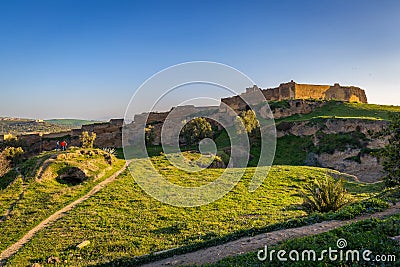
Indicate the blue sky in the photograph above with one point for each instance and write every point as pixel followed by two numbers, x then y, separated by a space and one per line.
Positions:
pixel 85 59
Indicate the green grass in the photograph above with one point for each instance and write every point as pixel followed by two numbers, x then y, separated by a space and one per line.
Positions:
pixel 122 221
pixel 42 198
pixel 371 234
pixel 346 110
pixel 9 190
pixel 292 150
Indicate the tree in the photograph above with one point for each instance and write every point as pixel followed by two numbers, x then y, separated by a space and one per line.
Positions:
pixel 87 139
pixel 149 134
pixel 249 120
pixel 13 154
pixel 391 152
pixel 196 130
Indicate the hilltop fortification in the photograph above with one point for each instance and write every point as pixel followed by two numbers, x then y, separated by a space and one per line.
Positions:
pixel 293 90
pixel 109 134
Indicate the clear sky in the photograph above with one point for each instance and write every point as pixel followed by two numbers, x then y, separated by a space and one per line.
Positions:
pixel 84 59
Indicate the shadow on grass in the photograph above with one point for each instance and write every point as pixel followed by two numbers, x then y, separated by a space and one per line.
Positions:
pixel 7 179
pixel 371 205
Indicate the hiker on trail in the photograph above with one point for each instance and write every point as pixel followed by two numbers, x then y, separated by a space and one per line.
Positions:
pixel 57 145
pixel 63 145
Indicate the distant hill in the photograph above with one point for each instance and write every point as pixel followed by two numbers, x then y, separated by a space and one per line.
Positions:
pixel 25 126
pixel 73 123
pixel 18 126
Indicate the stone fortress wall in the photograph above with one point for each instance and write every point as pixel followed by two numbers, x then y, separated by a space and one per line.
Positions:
pixel 293 90
pixel 109 134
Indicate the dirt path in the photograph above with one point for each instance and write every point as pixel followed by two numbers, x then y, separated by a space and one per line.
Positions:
pixel 44 165
pixel 20 196
pixel 11 250
pixel 249 244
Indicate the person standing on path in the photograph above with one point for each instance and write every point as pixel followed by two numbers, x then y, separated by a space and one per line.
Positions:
pixel 63 145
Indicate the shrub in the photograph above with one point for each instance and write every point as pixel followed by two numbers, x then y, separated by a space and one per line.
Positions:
pixel 249 121
pixel 12 141
pixel 87 139
pixel 4 164
pixel 196 130
pixel 110 151
pixel 13 154
pixel 325 195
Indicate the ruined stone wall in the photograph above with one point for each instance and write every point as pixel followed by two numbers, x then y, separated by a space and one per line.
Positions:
pixel 338 92
pixel 235 102
pixel 284 91
pixel 346 93
pixel 292 90
pixel 108 134
pixel 307 91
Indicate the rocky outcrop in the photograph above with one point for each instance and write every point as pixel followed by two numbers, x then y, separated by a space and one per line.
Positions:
pixel 366 168
pixel 328 126
pixel 353 160
pixel 291 107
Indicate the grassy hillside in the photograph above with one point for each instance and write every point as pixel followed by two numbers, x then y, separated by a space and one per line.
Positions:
pixel 123 221
pixel 44 190
pixel 371 234
pixel 347 110
pixel 292 150
pixel 73 123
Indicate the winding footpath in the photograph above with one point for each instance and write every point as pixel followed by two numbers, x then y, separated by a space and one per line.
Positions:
pixel 249 244
pixel 11 250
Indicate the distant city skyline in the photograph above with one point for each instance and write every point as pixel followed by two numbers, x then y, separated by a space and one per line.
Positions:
pixel 85 59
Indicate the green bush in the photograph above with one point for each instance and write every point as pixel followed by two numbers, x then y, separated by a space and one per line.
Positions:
pixel 249 120
pixel 13 154
pixel 325 195
pixel 87 139
pixel 196 130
